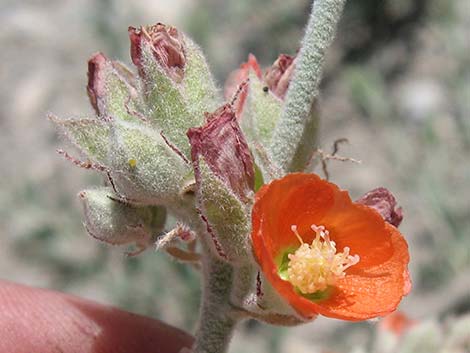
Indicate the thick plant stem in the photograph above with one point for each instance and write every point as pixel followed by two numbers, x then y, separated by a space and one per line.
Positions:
pixel 216 325
pixel 291 130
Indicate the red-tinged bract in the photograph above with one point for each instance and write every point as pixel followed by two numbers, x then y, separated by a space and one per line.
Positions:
pixel 303 214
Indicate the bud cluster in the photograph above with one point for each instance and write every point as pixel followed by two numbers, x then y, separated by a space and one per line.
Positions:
pixel 166 143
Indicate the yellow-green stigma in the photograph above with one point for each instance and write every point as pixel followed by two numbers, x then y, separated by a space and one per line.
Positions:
pixel 313 267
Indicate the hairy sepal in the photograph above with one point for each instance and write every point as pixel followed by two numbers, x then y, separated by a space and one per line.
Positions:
pixel 228 219
pixel 144 168
pixel 269 300
pixel 261 113
pixel 117 223
pixel 166 106
pixel 198 84
pixel 257 299
pixel 90 136
pixel 113 89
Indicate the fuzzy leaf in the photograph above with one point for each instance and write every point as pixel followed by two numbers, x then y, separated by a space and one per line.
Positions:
pixel 294 137
pixel 117 223
pixel 90 136
pixel 145 170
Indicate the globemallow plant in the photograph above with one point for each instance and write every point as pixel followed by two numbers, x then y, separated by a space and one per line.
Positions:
pixel 274 241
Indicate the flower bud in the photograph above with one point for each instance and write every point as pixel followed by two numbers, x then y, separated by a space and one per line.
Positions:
pixel 112 88
pixel 224 183
pixel 144 169
pixel 177 87
pixel 236 78
pixel 225 150
pixel 117 223
pixel 279 75
pixel 383 201
pixel 166 45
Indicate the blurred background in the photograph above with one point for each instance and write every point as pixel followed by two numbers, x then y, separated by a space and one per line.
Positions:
pixel 397 85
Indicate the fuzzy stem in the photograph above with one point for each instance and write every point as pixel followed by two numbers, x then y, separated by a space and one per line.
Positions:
pixel 290 131
pixel 216 324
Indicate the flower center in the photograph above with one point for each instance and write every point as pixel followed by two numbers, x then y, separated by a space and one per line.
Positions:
pixel 313 267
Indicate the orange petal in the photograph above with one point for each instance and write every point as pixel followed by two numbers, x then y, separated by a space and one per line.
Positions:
pixel 294 199
pixel 371 288
pixel 374 291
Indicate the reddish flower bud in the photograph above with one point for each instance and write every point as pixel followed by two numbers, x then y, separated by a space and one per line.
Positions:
pixel 383 201
pixel 223 146
pixel 166 44
pixel 96 87
pixel 102 87
pixel 276 79
pixel 236 78
pixel 278 76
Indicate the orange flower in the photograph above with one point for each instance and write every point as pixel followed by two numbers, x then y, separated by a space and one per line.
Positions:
pixel 325 254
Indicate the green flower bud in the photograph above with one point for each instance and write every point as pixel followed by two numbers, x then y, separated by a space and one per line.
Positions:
pixel 113 89
pixel 117 223
pixel 144 169
pixel 177 85
pixel 224 182
pixel 262 110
